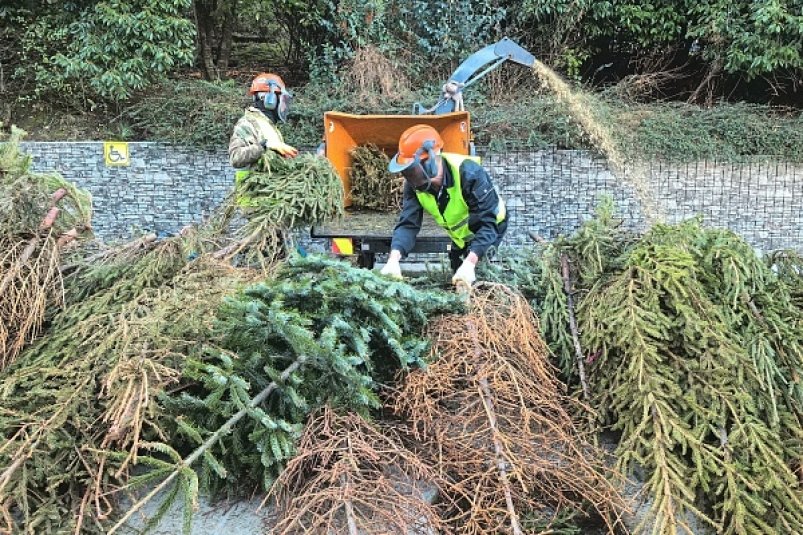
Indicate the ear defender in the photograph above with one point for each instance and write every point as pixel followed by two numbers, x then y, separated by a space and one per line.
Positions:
pixel 430 165
pixel 270 100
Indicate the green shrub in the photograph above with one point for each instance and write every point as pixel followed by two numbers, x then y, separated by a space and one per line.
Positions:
pixel 196 113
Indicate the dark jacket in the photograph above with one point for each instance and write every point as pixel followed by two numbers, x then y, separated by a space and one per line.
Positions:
pixel 482 201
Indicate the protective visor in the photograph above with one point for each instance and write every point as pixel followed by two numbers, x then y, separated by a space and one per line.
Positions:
pixel 283 108
pixel 416 175
pixel 278 100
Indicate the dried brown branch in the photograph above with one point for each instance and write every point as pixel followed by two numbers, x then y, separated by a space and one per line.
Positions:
pixel 373 79
pixel 494 415
pixel 265 246
pixel 650 83
pixel 131 386
pixel 578 351
pixel 351 476
pixel 31 282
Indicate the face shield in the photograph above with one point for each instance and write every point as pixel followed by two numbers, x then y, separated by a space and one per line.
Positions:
pixel 283 107
pixel 417 176
pixel 278 100
pixel 420 174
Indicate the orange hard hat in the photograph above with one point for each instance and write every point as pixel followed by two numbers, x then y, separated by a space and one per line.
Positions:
pixel 263 82
pixel 413 143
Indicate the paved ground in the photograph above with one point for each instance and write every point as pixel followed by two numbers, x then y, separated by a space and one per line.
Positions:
pixel 221 518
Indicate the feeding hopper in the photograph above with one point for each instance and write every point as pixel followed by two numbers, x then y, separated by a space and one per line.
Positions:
pixel 344 131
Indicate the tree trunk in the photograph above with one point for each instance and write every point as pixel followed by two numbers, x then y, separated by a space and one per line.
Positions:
pixel 707 86
pixel 204 23
pixel 578 351
pixel 226 35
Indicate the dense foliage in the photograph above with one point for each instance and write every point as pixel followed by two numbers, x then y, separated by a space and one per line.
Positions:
pixel 353 329
pixel 90 50
pixel 124 62
pixel 201 114
pixel 753 38
pixel 693 351
pixel 83 51
pixel 196 114
pixel 154 353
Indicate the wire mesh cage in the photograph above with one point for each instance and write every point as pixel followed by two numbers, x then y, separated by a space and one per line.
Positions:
pixel 550 192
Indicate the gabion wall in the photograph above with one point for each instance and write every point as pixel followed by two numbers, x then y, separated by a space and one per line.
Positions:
pixel 548 192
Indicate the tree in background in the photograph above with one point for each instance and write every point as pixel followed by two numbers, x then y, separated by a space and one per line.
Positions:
pixel 88 50
pixel 754 38
pixel 277 35
pixel 306 28
pixel 80 53
pixel 352 24
pixel 446 31
pixel 570 32
pixel 214 22
pixel 745 38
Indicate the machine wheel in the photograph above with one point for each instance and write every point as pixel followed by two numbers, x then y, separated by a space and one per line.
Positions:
pixel 366 259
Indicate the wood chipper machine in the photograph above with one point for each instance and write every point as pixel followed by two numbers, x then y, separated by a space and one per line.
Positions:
pixel 366 233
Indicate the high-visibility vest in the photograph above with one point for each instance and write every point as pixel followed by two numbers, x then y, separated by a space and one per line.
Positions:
pixel 454 219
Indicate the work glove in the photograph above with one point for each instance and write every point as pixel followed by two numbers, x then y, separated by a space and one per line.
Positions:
pixel 282 148
pixel 392 269
pixel 464 274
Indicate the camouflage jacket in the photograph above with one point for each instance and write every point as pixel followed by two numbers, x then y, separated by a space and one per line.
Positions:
pixel 245 145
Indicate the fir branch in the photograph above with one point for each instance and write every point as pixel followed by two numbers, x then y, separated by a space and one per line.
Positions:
pixel 699 346
pixel 209 442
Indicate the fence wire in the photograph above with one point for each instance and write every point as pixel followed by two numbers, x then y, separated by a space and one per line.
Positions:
pixel 550 192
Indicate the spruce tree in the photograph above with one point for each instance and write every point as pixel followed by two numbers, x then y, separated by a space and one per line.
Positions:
pixel 694 355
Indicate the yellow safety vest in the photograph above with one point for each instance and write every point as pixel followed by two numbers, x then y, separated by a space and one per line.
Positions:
pixel 454 219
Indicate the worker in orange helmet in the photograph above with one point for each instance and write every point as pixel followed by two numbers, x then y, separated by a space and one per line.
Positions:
pixel 456 191
pixel 256 132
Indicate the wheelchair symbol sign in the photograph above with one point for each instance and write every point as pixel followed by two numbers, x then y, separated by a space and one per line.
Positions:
pixel 116 153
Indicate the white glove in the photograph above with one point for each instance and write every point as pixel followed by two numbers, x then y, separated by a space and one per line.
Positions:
pixel 465 274
pixel 392 269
